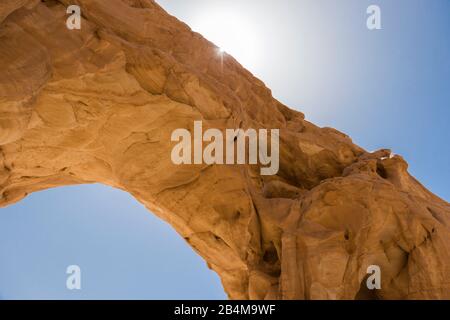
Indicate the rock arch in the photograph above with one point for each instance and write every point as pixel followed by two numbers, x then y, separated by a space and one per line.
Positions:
pixel 99 105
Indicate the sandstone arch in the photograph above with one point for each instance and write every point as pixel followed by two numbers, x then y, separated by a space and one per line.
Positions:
pixel 99 104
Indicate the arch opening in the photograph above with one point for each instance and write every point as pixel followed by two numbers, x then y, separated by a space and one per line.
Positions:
pixel 112 238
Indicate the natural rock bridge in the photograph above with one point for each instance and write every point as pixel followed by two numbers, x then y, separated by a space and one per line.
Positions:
pixel 99 105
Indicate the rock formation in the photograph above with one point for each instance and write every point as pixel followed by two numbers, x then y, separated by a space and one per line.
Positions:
pixel 98 105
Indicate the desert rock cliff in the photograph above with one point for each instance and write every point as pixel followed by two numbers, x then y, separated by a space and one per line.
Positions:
pixel 98 105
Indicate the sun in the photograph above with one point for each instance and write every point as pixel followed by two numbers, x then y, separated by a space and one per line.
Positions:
pixel 232 32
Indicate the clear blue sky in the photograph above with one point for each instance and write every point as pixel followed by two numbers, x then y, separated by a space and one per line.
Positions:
pixel 385 88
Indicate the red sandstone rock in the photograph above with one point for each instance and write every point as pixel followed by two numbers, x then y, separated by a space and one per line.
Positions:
pixel 99 105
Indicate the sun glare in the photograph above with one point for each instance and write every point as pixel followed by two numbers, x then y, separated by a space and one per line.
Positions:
pixel 232 33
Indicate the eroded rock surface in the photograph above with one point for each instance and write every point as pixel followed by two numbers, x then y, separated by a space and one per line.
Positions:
pixel 99 105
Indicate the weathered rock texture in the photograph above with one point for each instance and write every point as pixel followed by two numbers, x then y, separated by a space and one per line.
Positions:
pixel 99 105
